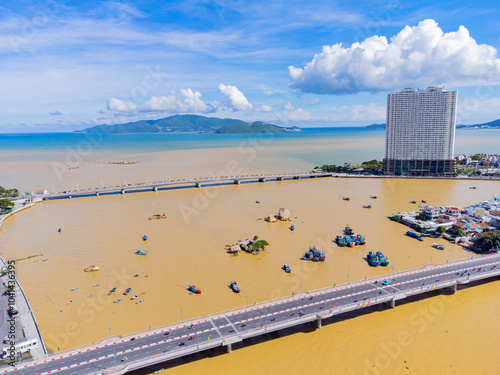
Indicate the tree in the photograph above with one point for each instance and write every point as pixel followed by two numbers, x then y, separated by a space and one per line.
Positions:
pixel 6 203
pixel 460 233
pixel 488 241
pixel 421 216
pixel 260 245
pixel 441 229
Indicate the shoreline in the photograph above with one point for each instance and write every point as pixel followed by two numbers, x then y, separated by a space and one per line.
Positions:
pixel 26 315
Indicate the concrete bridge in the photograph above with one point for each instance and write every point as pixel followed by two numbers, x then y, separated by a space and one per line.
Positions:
pixel 181 184
pixel 119 355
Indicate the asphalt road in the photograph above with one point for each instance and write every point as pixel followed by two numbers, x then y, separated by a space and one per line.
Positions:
pixel 234 326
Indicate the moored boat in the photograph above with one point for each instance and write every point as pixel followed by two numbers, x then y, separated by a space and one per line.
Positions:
pixel 413 234
pixel 292 227
pixel 315 255
pixel 437 246
pixel 127 291
pixel 372 259
pixel 234 287
pixel 145 237
pixel 194 289
pixel 348 231
pixel 112 291
pixel 367 206
pixel 373 197
pixel 346 198
pixel 92 268
pixel 141 252
pixel 382 259
pixel 286 268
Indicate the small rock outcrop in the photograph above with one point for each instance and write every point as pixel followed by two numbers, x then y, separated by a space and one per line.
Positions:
pixel 283 214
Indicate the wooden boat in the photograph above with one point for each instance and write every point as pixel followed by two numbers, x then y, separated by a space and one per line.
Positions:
pixel 92 268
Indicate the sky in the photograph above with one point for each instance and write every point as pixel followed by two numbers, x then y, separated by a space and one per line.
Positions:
pixel 68 65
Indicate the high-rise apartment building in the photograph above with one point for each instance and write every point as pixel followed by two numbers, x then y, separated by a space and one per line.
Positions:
pixel 420 133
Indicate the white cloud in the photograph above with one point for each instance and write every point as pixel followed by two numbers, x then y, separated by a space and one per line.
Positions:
pixel 289 106
pixel 476 110
pixel 265 108
pixel 183 101
pixel 237 99
pixel 314 101
pixel 296 114
pixel 421 55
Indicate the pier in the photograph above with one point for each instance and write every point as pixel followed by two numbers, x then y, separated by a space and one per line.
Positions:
pixel 119 355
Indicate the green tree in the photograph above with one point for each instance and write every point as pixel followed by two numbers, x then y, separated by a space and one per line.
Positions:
pixel 488 241
pixel 460 233
pixel 421 216
pixel 6 203
pixel 441 229
pixel 260 245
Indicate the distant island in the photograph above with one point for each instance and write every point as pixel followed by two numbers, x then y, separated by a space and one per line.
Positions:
pixel 189 123
pixel 495 124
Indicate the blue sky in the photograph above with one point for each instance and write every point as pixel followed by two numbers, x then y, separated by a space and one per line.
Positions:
pixel 67 65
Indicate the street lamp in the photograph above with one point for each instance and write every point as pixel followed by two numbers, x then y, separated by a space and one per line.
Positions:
pixel 348 271
pixel 182 319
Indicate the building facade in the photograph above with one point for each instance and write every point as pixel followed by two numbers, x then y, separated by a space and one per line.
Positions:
pixel 420 133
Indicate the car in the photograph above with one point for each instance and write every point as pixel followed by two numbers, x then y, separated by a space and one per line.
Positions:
pixel 132 339
pixel 386 282
pixel 124 359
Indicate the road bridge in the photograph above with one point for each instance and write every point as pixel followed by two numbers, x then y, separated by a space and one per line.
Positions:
pixel 119 355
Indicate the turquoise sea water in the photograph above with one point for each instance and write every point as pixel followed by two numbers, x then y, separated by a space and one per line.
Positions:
pixel 42 146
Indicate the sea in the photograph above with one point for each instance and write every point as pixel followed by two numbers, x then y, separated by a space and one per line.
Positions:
pixel 442 334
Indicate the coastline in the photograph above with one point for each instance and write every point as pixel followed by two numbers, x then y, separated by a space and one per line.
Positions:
pixel 26 315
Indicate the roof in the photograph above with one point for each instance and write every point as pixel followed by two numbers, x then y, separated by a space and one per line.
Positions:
pixel 484 225
pixel 459 224
pixel 473 225
pixel 478 212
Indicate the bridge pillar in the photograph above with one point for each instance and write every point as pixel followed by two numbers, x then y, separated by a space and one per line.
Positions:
pixel 312 176
pixel 279 178
pixel 262 180
pixel 296 177
pixel 96 194
pixel 123 191
pixel 236 182
pixel 393 302
pixel 455 286
pixel 318 322
pixel 155 188
pixel 229 348
pixel 198 185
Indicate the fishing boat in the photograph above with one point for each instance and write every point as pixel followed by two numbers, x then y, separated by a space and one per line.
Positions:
pixel 118 300
pixel 372 259
pixel 59 230
pixel 90 296
pixel 346 198
pixel 367 206
pixel 286 268
pixel 92 268
pixel 424 201
pixel 382 259
pixel 437 246
pixel 292 227
pixel 315 255
pixel 141 252
pixel 112 291
pixel 194 289
pixel 70 302
pixel 472 187
pixel 93 286
pixel 413 234
pixel 235 288
pixel 127 291
pixel 136 296
pixel 141 301
pixel 348 231
pixel 373 197
pixel 74 289
pixel 413 202
pixel 145 237
pixel 340 241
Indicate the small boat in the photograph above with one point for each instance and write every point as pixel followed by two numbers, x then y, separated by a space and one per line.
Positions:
pixel 367 206
pixel 423 201
pixel 93 286
pixel 141 252
pixel 373 197
pixel 141 301
pixel 286 268
pixel 127 291
pixel 292 227
pixel 44 260
pixel 372 259
pixel 118 300
pixel 235 288
pixel 348 231
pixel 346 198
pixel 472 187
pixel 74 289
pixel 413 234
pixel 413 202
pixel 59 230
pixel 90 296
pixel 136 296
pixel 70 302
pixel 60 309
pixel 437 246
pixel 145 237
pixel 257 202
pixel 136 275
pixel 382 259
pixel 194 289
pixel 315 255
pixel 112 291
pixel 92 268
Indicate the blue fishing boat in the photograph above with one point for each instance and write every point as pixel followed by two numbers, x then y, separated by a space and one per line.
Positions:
pixel 127 291
pixel 346 198
pixel 59 230
pixel 112 291
pixel 136 296
pixel 234 287
pixel 74 289
pixel 413 234
pixel 373 197
pixel 292 227
pixel 372 259
pixel 340 241
pixel 141 252
pixel 286 268
pixel 145 237
pixel 382 259
pixel 367 206
pixel 194 289
pixel 348 231
pixel 437 246
pixel 118 300
pixel 315 255
pixel 141 301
